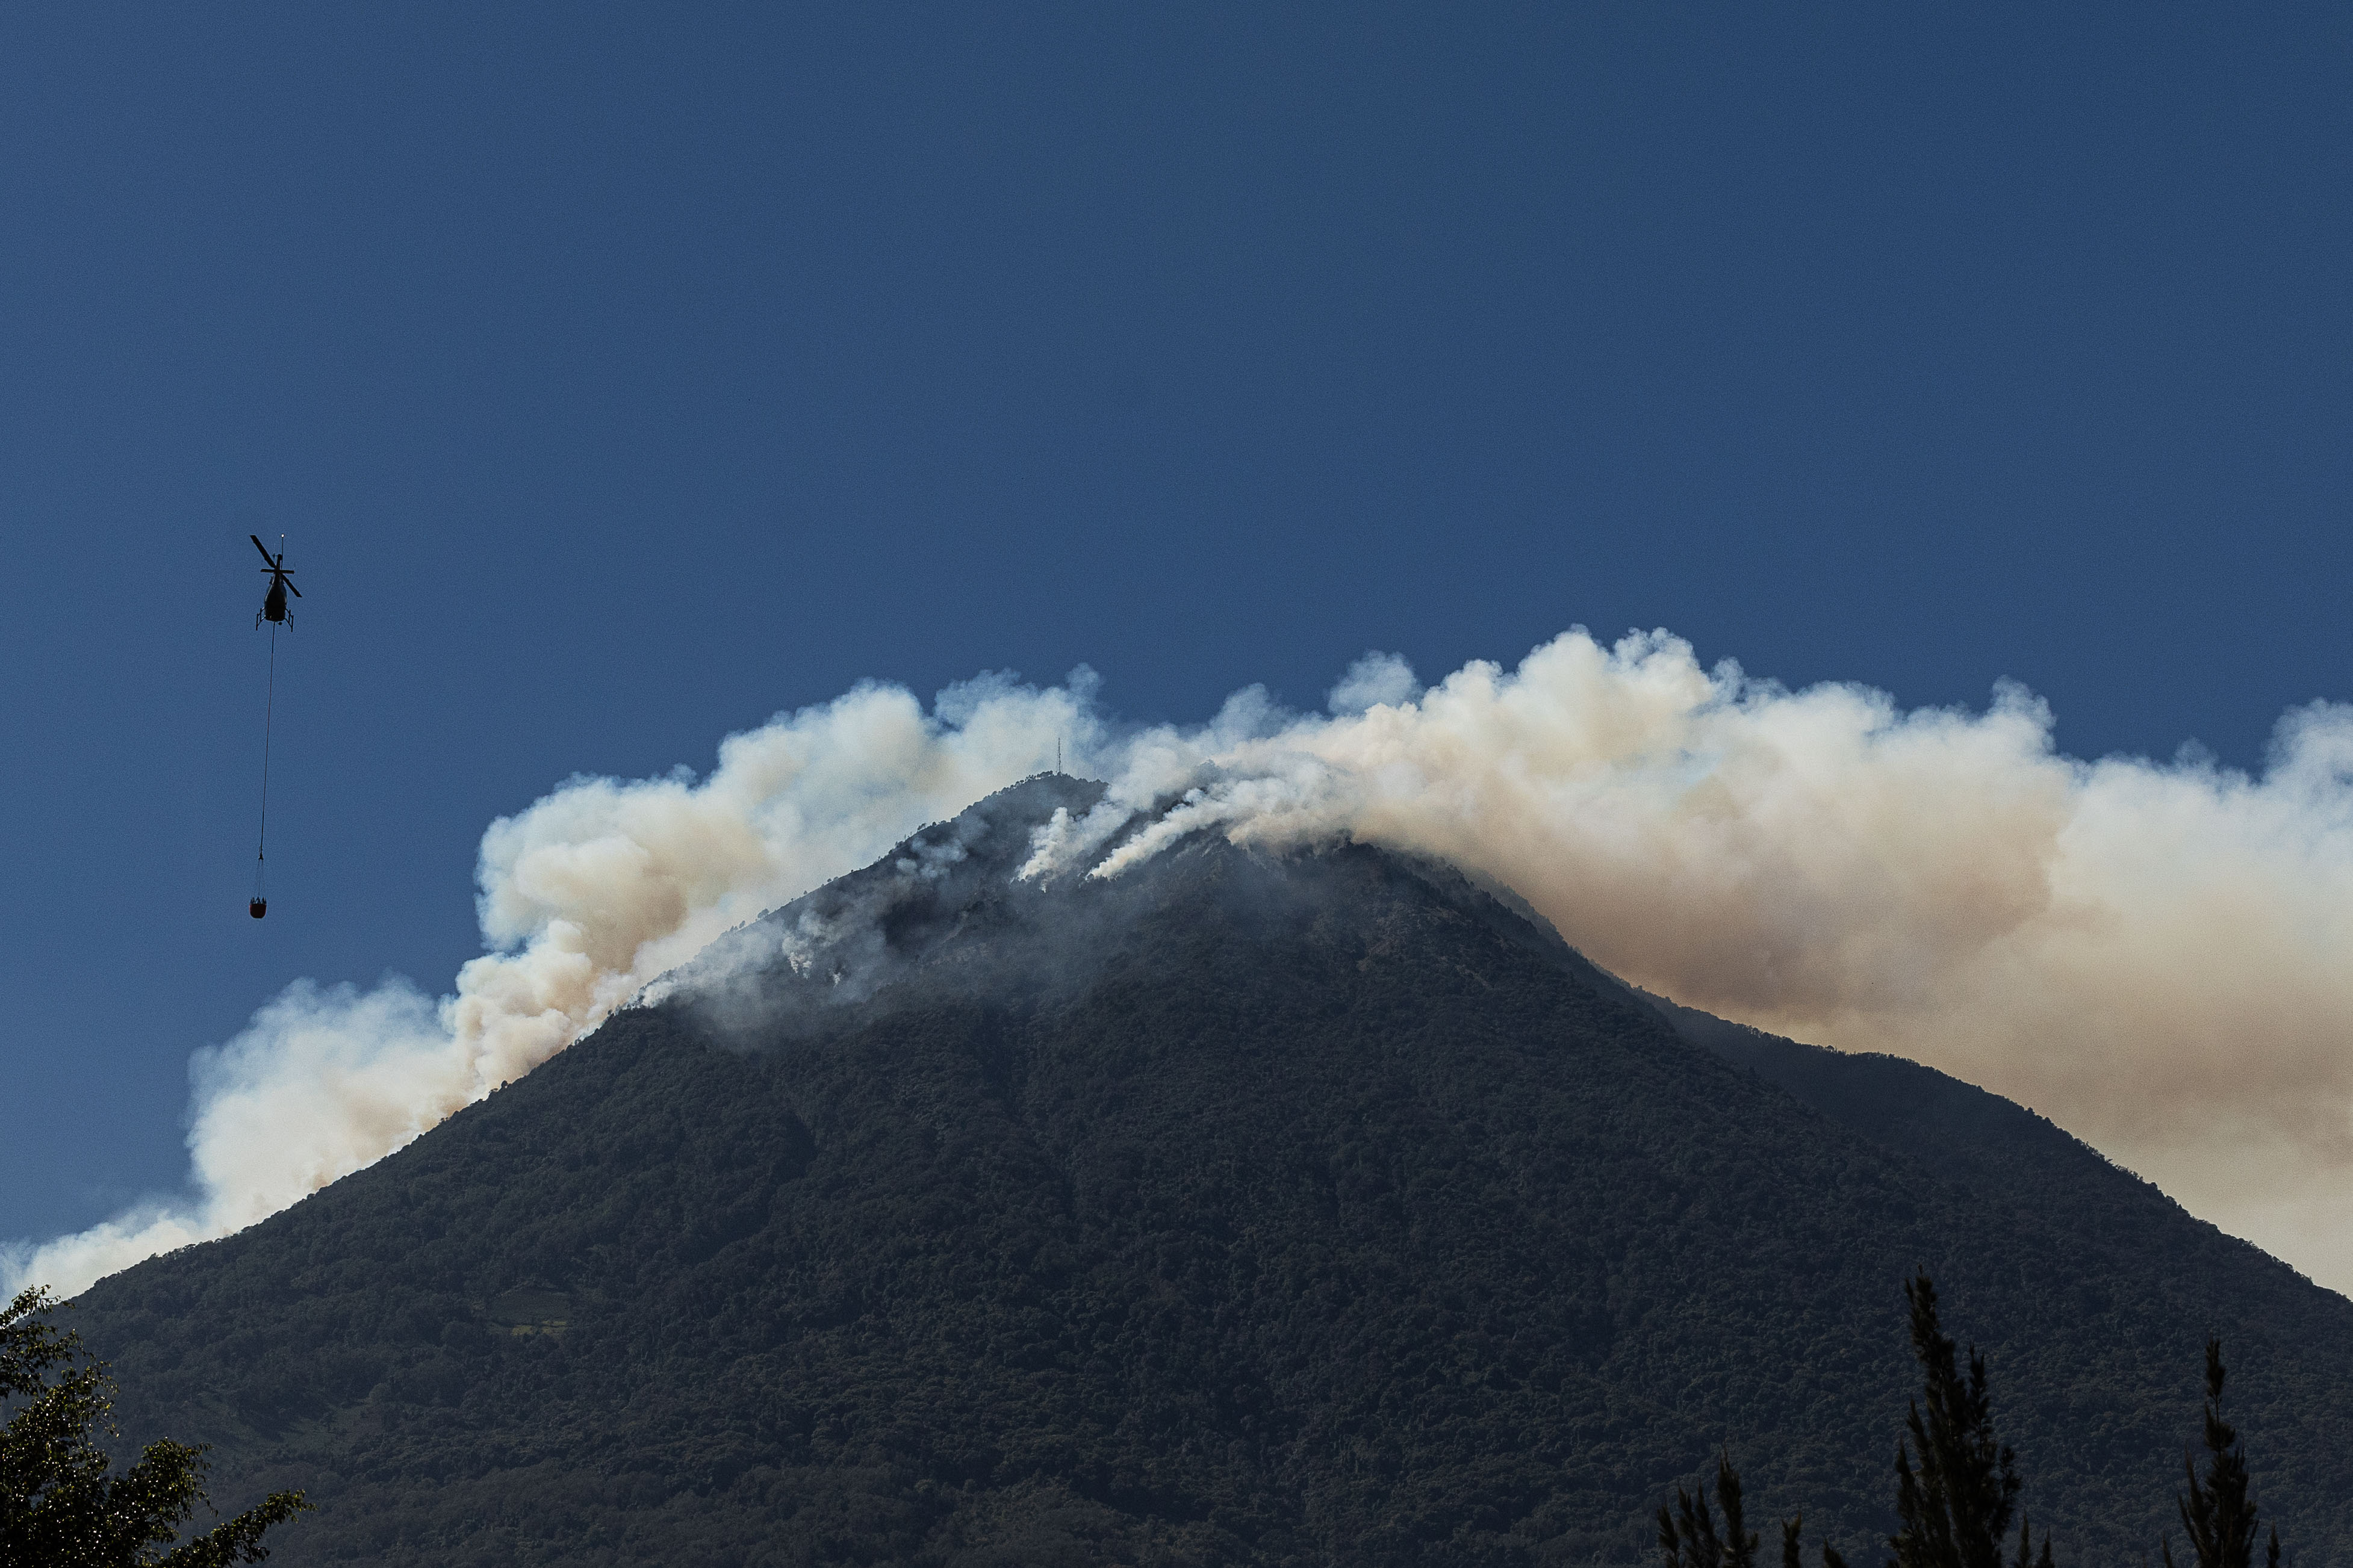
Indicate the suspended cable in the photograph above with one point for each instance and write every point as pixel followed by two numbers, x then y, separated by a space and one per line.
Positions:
pixel 260 904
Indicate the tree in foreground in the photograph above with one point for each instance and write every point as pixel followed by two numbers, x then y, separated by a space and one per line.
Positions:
pixel 1956 1508
pixel 59 1505
pixel 1687 1533
pixel 2217 1511
pixel 1688 1537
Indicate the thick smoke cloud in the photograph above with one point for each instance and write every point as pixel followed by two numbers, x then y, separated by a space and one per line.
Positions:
pixel 585 897
pixel 2158 956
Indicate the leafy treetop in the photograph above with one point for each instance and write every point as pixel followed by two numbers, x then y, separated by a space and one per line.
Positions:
pixel 60 1505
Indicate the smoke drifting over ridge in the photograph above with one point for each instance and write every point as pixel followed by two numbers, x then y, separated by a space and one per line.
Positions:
pixel 2158 956
pixel 594 890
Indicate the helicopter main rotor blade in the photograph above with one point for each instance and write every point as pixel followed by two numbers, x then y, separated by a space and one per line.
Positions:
pixel 293 589
pixel 273 560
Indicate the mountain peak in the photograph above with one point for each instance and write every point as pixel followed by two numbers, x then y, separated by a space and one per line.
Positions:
pixel 949 913
pixel 1244 1207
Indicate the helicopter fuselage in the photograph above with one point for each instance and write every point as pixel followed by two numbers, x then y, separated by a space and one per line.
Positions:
pixel 273 607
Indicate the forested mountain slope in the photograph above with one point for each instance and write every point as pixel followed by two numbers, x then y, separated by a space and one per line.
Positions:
pixel 1302 1209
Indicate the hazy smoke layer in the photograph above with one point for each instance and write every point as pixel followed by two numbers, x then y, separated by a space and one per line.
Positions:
pixel 2158 956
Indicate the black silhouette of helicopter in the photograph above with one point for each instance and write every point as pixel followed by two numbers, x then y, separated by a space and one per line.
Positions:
pixel 273 608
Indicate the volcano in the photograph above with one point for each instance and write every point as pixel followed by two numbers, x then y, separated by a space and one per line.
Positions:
pixel 1319 1207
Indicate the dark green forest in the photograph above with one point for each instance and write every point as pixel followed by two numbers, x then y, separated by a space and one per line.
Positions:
pixel 1249 1209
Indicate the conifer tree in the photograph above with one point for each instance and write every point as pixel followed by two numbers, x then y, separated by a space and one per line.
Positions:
pixel 1957 1504
pixel 1690 1540
pixel 2217 1513
pixel 1956 1508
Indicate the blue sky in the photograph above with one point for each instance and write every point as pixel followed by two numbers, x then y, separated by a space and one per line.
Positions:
pixel 622 376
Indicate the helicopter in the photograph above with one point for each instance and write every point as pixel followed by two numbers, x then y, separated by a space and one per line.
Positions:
pixel 273 607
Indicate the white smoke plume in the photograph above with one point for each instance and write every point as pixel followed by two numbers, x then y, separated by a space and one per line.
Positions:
pixel 592 892
pixel 2158 956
